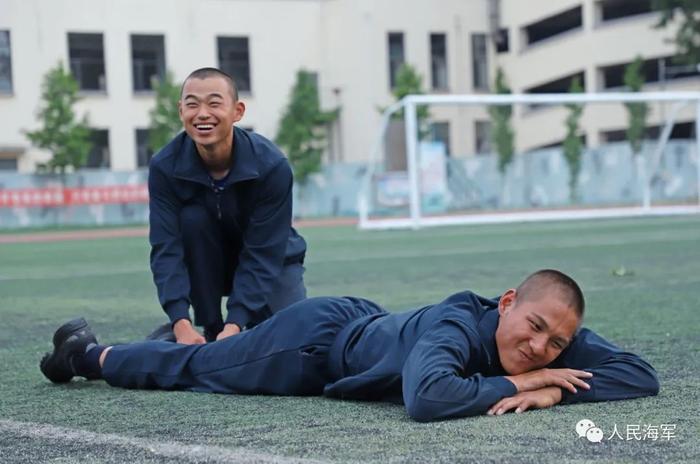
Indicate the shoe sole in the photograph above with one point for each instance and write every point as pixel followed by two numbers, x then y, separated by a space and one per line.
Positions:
pixel 59 337
pixel 67 329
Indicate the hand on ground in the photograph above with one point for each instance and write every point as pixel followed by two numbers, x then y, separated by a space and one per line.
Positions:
pixel 540 378
pixel 229 330
pixel 186 334
pixel 536 399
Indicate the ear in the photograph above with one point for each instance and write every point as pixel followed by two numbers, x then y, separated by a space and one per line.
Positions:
pixel 507 301
pixel 239 110
pixel 179 109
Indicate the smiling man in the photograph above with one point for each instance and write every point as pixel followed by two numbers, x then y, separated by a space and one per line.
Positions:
pixel 464 356
pixel 220 219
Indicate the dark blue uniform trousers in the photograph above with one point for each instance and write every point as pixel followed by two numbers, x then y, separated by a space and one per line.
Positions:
pixel 284 355
pixel 211 249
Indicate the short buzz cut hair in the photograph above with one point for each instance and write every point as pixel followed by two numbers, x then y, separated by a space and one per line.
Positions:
pixel 204 73
pixel 547 281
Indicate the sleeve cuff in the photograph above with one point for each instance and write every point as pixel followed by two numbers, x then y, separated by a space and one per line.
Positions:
pixel 239 316
pixel 582 395
pixel 177 310
pixel 503 385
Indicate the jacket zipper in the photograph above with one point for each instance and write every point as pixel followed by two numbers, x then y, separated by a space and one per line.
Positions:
pixel 217 192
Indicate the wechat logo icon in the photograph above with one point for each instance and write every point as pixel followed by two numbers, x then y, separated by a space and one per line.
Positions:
pixel 586 428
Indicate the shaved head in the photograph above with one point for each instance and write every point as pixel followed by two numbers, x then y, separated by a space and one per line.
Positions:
pixel 205 73
pixel 552 282
pixel 538 320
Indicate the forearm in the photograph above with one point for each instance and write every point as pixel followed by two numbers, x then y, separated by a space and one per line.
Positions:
pixel 625 376
pixel 167 252
pixel 171 279
pixel 617 374
pixel 453 396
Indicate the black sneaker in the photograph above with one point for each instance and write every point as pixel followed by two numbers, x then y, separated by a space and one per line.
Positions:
pixel 163 333
pixel 70 339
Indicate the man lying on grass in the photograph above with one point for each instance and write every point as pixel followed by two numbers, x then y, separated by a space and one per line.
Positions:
pixel 464 356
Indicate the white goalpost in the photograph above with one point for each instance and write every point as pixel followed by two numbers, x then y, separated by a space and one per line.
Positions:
pixel 414 216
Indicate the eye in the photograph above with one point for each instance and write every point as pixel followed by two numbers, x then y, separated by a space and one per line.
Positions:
pixel 535 326
pixel 215 103
pixel 191 105
pixel 558 345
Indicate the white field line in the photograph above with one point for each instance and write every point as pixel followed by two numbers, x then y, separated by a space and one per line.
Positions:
pixel 166 449
pixel 659 237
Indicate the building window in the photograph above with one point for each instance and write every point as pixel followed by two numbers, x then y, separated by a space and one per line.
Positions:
pixel 561 85
pixel 655 70
pixel 99 154
pixel 5 63
pixel 8 164
pixel 143 152
pixel 396 56
pixel 440 132
pixel 480 65
pixel 87 61
pixel 556 144
pixel 554 25
pixel 234 59
pixel 609 10
pixel 502 41
pixel 482 137
pixel 438 61
pixel 147 60
pixel 680 131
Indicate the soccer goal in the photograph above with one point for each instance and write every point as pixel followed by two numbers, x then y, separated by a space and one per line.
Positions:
pixel 413 182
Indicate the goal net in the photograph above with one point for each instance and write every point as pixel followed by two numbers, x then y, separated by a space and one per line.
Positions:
pixel 419 177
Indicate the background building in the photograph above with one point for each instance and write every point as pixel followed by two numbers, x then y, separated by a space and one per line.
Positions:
pixel 115 49
pixel 547 43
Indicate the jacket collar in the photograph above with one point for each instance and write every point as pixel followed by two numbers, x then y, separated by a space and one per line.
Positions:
pixel 487 331
pixel 189 165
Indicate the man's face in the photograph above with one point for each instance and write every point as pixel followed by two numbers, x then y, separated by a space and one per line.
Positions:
pixel 208 111
pixel 532 333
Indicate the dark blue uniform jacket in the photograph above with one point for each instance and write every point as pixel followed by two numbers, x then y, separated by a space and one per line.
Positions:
pixel 441 361
pixel 256 198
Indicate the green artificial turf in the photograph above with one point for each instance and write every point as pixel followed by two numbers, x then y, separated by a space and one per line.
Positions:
pixel 652 309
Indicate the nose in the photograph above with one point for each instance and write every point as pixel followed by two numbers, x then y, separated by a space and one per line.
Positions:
pixel 202 113
pixel 538 344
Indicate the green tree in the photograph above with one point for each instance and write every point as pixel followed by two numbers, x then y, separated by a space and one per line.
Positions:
pixel 302 129
pixel 637 115
pixel 636 112
pixel 573 146
pixel 687 37
pixel 165 117
pixel 409 82
pixel 502 133
pixel 67 139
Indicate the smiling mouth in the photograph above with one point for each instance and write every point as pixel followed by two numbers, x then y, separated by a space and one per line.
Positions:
pixel 525 356
pixel 204 128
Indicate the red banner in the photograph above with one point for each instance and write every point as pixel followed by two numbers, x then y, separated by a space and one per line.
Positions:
pixel 73 196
